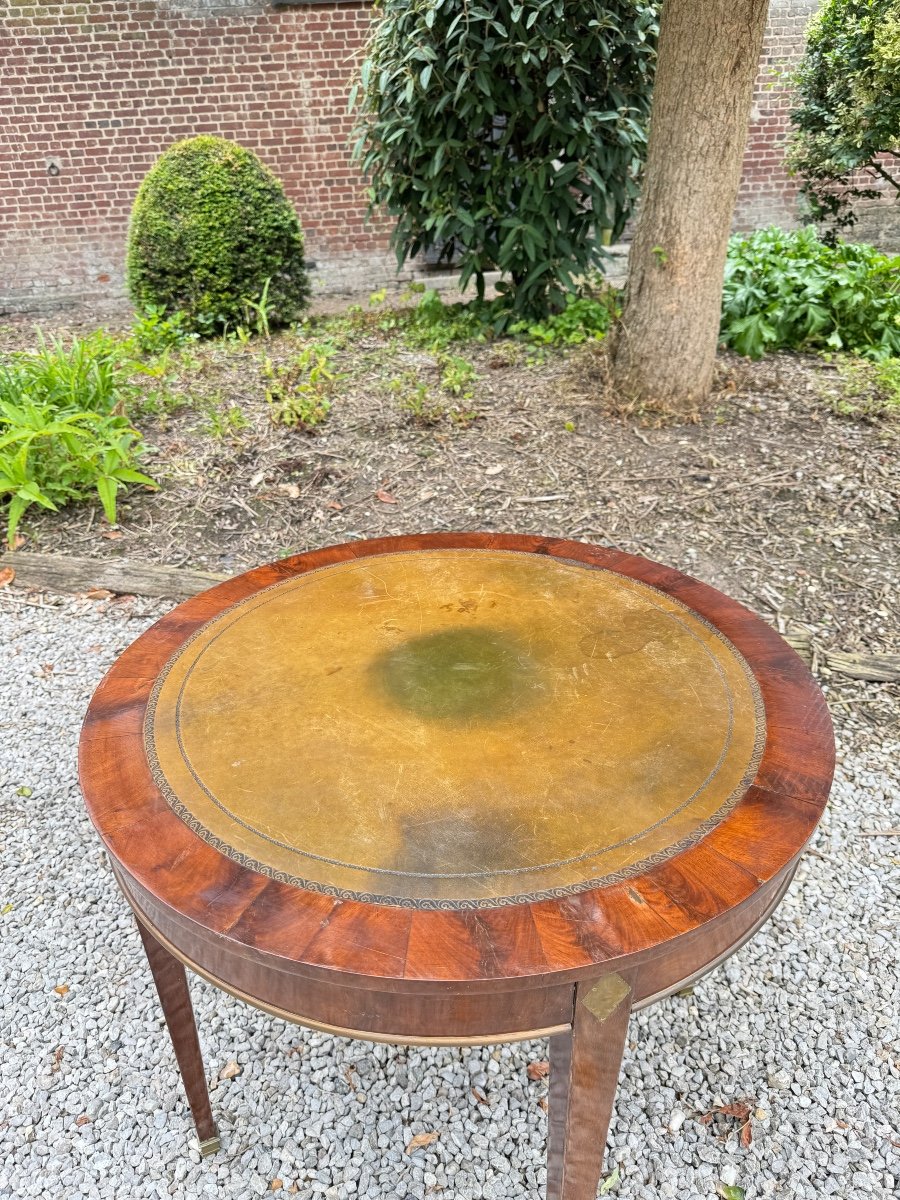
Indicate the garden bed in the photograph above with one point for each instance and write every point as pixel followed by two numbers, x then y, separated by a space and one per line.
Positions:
pixel 769 495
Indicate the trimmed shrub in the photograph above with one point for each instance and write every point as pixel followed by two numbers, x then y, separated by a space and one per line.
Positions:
pixel 210 225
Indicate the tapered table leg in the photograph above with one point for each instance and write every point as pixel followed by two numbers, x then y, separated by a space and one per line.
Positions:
pixel 584 1072
pixel 175 998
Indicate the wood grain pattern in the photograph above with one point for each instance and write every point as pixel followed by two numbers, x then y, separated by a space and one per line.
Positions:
pixel 763 833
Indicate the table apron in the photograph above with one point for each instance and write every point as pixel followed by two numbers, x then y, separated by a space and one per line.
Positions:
pixel 447 1015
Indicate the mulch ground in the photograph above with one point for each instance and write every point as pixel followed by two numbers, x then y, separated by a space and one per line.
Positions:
pixel 767 495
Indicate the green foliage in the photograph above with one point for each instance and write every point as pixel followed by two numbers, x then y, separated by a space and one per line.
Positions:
pixel 509 134
pixel 847 119
pixel 792 291
pixel 63 430
pixel 434 325
pixel 153 333
pixel 866 391
pixel 414 398
pixel 298 391
pixel 584 318
pixel 214 237
pixel 457 375
pixel 224 419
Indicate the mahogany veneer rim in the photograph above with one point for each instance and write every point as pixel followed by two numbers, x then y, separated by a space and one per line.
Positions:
pixel 142 831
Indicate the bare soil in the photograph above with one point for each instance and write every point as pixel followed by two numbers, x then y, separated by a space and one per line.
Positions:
pixel 767 495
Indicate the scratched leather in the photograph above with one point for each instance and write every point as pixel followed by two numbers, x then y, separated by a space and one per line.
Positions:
pixel 455 725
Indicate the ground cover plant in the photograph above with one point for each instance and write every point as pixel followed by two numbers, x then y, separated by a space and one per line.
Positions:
pixel 793 291
pixel 64 432
pixel 214 241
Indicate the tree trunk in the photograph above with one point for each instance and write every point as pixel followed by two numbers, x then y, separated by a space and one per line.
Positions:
pixel 664 348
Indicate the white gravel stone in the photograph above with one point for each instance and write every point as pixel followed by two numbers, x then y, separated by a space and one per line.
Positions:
pixel 800 1023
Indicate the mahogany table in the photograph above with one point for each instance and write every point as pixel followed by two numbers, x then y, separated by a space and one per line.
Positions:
pixel 455 789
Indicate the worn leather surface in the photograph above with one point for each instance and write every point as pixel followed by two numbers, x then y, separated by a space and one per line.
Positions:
pixel 455 725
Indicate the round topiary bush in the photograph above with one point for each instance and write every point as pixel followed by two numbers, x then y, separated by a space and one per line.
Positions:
pixel 210 226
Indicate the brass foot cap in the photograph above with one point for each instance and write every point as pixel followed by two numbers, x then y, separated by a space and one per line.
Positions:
pixel 210 1146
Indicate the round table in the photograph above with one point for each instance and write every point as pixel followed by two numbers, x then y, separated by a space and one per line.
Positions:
pixel 455 789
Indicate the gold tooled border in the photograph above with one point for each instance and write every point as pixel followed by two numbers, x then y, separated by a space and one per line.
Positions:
pixel 452 905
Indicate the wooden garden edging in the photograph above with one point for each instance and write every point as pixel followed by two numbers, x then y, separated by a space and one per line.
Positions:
pixel 68 573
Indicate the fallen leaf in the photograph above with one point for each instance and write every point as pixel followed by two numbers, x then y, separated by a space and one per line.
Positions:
pixel 7 575
pixel 542 1103
pixel 420 1140
pixel 538 1070
pixel 335 504
pixel 730 1191
pixel 99 594
pixel 7 908
pixel 47 668
pixel 291 490
pixel 84 1119
pixel 480 1096
pixel 61 989
pixel 95 649
pixel 111 534
pixel 610 1181
pixel 24 791
pixel 740 1111
pixel 57 1057
pixel 385 497
pixel 230 1070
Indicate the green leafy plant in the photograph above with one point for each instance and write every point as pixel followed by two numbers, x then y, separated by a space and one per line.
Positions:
pixel 298 391
pixel 457 375
pixel 414 398
pixel 224 419
pixel 64 434
pixel 793 291
pixel 847 119
pixel 211 226
pixel 507 136
pixel 584 318
pixel 259 311
pixel 153 333
pixel 434 325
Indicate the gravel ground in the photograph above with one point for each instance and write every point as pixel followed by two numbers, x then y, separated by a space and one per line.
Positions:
pixel 798 1024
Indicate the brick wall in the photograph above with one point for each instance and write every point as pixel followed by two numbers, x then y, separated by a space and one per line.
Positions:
pixel 768 196
pixel 93 92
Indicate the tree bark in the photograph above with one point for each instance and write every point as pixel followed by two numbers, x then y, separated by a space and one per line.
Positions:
pixel 663 352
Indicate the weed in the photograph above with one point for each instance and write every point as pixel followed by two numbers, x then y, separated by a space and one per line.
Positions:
pixel 153 333
pixel 224 420
pixel 298 392
pixel 259 311
pixel 415 399
pixel 457 375
pixel 867 391
pixel 584 318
